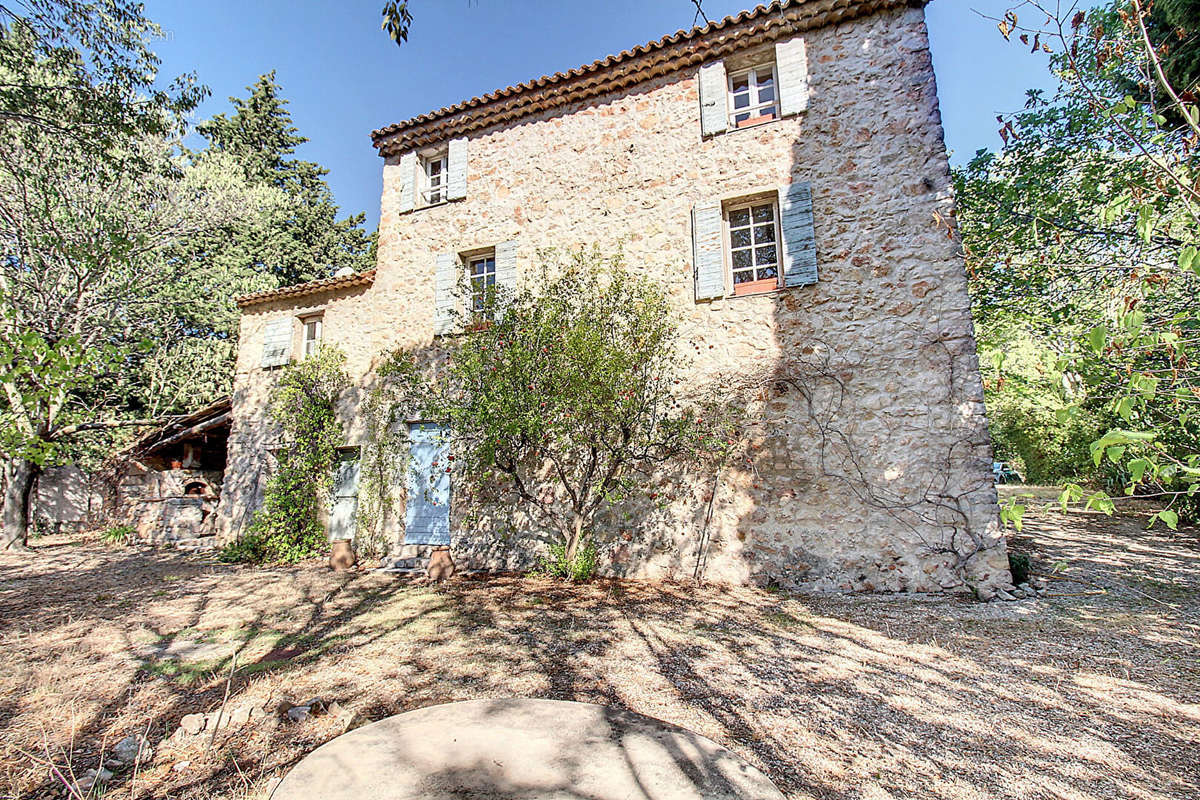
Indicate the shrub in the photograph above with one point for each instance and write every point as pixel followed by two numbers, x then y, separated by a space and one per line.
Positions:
pixel 304 403
pixel 577 570
pixel 118 534
pixel 1018 565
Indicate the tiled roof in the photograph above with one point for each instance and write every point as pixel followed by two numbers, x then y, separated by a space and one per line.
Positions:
pixel 670 53
pixel 312 287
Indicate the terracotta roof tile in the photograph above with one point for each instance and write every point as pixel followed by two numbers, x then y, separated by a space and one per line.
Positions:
pixel 312 287
pixel 670 53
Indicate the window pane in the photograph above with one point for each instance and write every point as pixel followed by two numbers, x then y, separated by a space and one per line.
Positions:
pixel 741 100
pixel 764 213
pixel 741 83
pixel 743 277
pixel 766 94
pixel 765 77
pixel 768 272
pixel 739 237
pixel 765 255
pixel 764 234
pixel 741 259
pixel 739 218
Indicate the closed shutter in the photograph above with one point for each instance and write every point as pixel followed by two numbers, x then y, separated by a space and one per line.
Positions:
pixel 408 182
pixel 456 181
pixel 714 111
pixel 791 64
pixel 445 281
pixel 277 342
pixel 799 238
pixel 343 505
pixel 707 251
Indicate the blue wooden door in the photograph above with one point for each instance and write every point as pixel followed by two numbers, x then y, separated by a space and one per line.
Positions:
pixel 428 513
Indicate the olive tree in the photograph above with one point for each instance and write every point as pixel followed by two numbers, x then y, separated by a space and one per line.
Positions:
pixel 565 395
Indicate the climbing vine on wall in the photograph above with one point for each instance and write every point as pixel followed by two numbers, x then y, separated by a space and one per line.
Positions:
pixel 304 405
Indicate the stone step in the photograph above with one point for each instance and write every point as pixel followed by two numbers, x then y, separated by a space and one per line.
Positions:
pixel 404 565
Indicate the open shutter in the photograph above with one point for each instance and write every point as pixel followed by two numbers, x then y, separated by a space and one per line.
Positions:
pixel 456 181
pixel 506 265
pixel 277 342
pixel 799 239
pixel 714 110
pixel 791 64
pixel 408 181
pixel 707 251
pixel 445 281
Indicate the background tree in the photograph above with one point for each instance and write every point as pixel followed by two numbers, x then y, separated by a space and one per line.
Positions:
pixel 567 399
pixel 1081 233
pixel 92 201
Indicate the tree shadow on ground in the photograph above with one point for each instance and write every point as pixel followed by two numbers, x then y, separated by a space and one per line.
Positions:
pixel 1085 697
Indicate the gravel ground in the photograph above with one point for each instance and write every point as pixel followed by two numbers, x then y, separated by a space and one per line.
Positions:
pixel 1089 695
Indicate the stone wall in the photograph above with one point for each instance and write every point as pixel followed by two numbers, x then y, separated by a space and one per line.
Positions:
pixel 870 469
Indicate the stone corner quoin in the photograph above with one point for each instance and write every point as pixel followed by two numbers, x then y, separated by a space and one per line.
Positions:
pixel 872 470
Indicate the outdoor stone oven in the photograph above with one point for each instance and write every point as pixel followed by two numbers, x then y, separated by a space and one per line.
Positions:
pixel 169 483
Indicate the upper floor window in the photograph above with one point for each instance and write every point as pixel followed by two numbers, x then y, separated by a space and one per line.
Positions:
pixel 435 170
pixel 481 270
pixel 754 246
pixel 312 336
pixel 752 96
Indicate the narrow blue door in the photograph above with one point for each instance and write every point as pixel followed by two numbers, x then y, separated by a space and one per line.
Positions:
pixel 428 514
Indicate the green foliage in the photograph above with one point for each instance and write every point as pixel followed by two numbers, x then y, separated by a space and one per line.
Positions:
pixel 118 534
pixel 577 569
pixel 304 404
pixel 1019 566
pixel 1082 234
pixel 567 400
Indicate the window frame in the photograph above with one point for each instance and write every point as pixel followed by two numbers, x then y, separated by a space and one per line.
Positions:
pixel 756 286
pixel 317 320
pixel 753 89
pixel 479 297
pixel 425 188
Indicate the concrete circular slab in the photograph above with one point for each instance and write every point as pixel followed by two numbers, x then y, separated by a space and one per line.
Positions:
pixel 520 748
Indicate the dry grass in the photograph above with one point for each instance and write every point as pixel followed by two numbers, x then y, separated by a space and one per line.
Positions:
pixel 1081 698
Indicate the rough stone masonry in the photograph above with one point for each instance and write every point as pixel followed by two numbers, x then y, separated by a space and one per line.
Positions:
pixel 869 468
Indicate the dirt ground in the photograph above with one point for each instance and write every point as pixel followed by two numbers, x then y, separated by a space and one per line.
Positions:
pixel 1093 694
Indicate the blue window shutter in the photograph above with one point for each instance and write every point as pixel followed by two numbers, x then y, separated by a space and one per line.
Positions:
pixel 799 237
pixel 456 181
pixel 791 65
pixel 714 104
pixel 707 251
pixel 408 180
pixel 445 281
pixel 277 342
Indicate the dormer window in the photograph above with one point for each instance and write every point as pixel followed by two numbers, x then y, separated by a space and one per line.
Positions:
pixel 435 171
pixel 752 96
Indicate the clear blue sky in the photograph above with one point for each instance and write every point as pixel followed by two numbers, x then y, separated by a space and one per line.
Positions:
pixel 344 77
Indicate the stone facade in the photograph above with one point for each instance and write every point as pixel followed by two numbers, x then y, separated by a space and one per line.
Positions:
pixel 870 467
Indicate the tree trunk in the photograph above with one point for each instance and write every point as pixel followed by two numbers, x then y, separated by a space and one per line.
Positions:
pixel 575 538
pixel 17 493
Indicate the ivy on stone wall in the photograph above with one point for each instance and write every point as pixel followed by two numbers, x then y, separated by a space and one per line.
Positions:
pixel 304 405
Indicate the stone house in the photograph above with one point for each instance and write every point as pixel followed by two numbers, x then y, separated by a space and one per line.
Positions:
pixel 782 174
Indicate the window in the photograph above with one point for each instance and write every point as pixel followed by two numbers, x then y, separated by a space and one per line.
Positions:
pixel 435 169
pixel 312 336
pixel 482 272
pixel 754 247
pixel 752 96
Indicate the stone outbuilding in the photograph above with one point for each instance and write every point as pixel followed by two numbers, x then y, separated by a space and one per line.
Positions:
pixel 167 484
pixel 782 175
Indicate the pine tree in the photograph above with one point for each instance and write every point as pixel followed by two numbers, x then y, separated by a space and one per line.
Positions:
pixel 308 241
